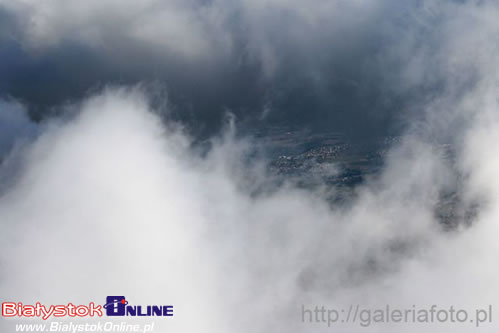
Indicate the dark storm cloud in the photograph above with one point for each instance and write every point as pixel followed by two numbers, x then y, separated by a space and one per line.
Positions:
pixel 353 66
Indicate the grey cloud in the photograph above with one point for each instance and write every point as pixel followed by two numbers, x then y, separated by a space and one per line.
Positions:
pixel 353 66
pixel 15 126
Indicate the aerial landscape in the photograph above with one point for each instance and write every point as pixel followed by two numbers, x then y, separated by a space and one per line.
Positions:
pixel 249 166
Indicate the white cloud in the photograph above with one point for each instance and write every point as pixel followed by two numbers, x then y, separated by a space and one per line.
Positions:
pixel 114 202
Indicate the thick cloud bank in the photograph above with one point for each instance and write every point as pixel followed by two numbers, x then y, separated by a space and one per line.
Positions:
pixel 112 201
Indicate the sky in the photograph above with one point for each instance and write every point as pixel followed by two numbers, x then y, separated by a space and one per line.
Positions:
pixel 103 191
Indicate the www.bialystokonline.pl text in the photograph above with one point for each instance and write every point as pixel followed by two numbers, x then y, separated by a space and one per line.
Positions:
pixel 74 327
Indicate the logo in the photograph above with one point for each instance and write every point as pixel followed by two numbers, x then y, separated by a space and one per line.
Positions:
pixel 114 306
pixel 10 309
pixel 118 306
